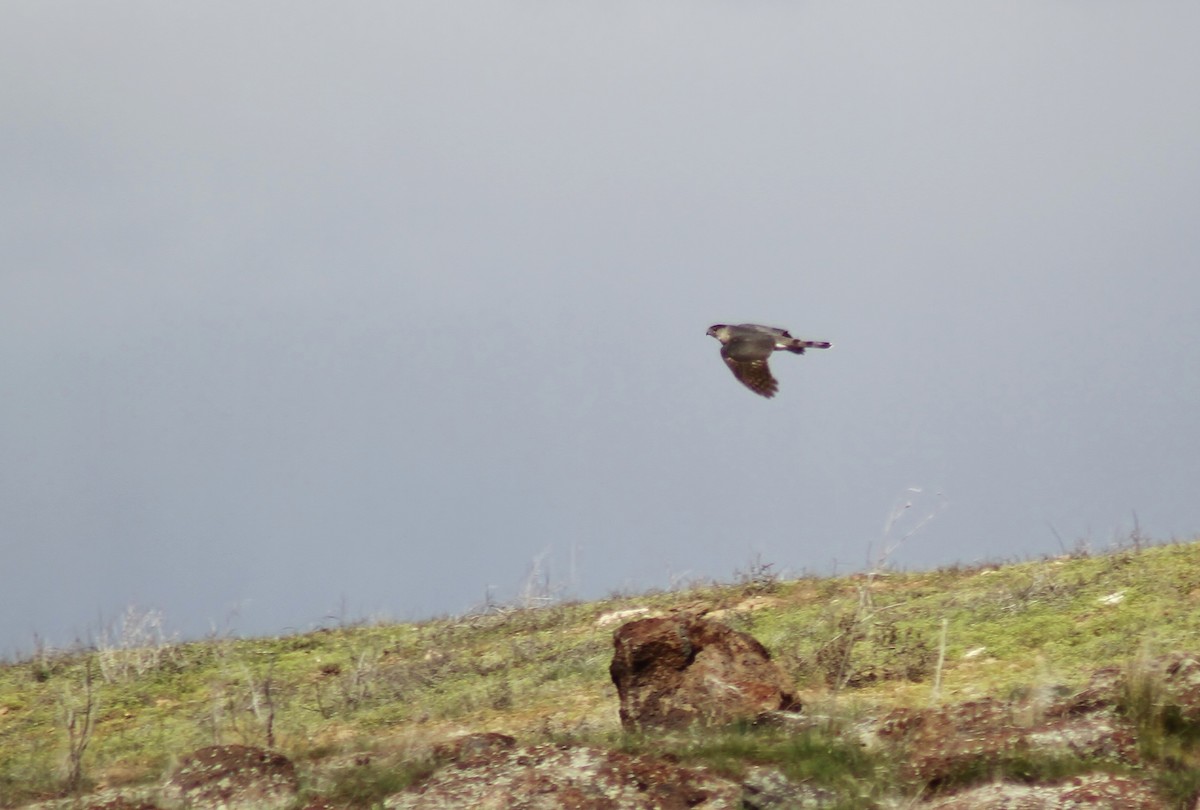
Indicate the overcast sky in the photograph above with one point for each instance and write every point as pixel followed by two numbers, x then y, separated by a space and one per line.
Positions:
pixel 319 311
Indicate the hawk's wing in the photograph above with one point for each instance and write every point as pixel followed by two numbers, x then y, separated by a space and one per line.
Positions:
pixel 754 374
pixel 765 330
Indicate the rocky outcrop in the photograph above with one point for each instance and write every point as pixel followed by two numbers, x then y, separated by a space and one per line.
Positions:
pixel 470 747
pixel 767 789
pixel 951 749
pixel 1101 791
pixel 675 671
pixel 232 777
pixel 1097 723
pixel 951 742
pixel 553 777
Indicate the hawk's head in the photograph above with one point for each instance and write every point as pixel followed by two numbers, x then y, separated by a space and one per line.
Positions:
pixel 719 331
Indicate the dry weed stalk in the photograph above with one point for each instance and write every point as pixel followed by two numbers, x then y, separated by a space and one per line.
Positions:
pixel 79 721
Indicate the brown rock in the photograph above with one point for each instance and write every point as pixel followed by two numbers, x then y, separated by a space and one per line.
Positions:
pixel 470 747
pixel 320 804
pixel 951 740
pixel 553 777
pixel 1105 791
pixel 123 803
pixel 232 777
pixel 674 671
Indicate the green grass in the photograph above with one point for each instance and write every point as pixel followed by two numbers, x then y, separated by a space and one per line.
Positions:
pixel 809 756
pixel 543 674
pixel 369 783
pixel 1018 768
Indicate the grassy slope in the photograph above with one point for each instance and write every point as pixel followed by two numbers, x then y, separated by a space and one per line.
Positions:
pixel 860 644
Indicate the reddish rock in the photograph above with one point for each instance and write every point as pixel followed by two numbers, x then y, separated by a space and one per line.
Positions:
pixel 553 777
pixel 1172 682
pixel 231 777
pixel 123 803
pixel 471 747
pixel 949 741
pixel 673 671
pixel 1104 791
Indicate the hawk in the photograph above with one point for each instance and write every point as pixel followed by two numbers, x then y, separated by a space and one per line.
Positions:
pixel 746 347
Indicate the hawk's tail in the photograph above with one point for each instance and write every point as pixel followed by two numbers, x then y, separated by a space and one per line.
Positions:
pixel 798 346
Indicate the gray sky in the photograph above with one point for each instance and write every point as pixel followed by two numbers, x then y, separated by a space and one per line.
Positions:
pixel 314 309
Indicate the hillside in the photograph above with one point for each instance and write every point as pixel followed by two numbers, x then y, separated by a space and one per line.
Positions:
pixel 361 709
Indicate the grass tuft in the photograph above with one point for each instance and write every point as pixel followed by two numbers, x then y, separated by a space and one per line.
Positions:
pixel 368 783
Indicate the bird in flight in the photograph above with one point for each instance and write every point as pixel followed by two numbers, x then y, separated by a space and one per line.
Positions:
pixel 746 347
